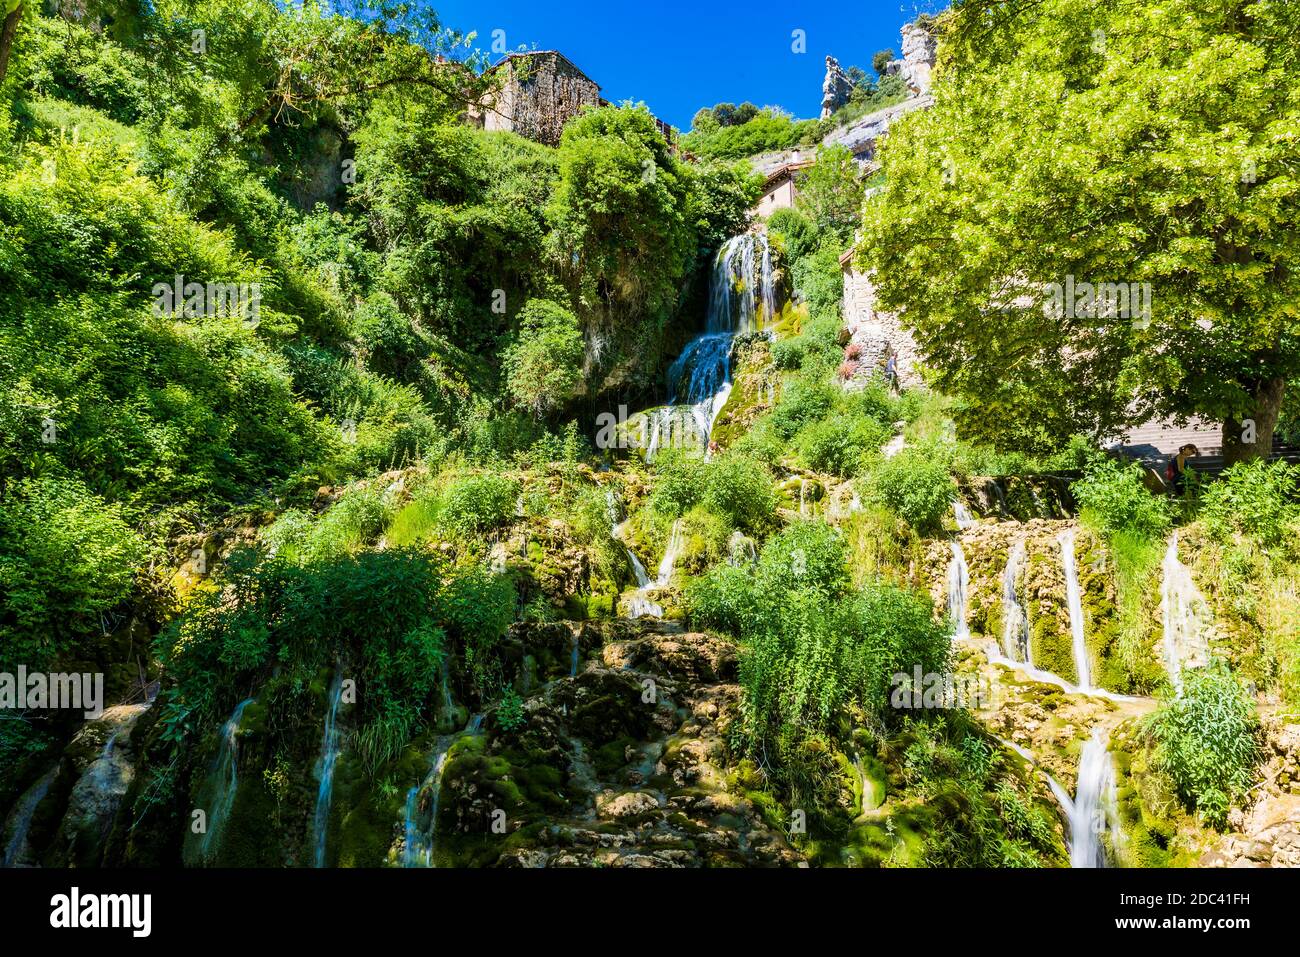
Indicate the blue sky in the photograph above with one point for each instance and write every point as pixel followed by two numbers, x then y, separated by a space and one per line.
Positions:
pixel 680 56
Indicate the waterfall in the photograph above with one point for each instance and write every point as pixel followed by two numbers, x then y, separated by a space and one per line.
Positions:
pixel 329 753
pixel 1015 624
pixel 420 823
pixel 1096 806
pixel 1185 614
pixel 676 540
pixel 573 658
pixel 1074 598
pixel 962 514
pixel 225 771
pixel 742 296
pixel 640 605
pixel 20 819
pixel 444 685
pixel 958 582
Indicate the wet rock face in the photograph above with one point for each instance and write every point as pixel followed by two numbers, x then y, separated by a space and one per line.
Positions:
pixel 103 760
pixel 624 764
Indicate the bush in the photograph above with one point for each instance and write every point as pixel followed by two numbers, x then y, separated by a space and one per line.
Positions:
pixel 803 400
pixel 66 557
pixel 732 486
pixel 477 503
pixel 1204 740
pixel 805 555
pixel 723 599
pixel 916 485
pixel 544 363
pixel 1116 500
pixel 840 444
pixel 1256 499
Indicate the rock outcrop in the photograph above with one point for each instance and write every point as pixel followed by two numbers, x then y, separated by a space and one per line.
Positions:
pixel 836 88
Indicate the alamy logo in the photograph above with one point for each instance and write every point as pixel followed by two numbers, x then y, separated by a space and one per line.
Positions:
pixel 933 689
pixel 134 911
pixel 1103 300
pixel 39 690
pixel 194 300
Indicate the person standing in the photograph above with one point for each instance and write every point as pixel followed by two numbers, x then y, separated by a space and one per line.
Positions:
pixel 1176 470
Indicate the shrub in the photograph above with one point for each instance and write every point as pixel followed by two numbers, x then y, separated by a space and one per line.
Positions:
pixel 805 555
pixel 66 557
pixel 544 364
pixel 723 598
pixel 805 399
pixel 1254 498
pixel 733 486
pixel 1204 740
pixel 1116 500
pixel 477 503
pixel 914 484
pixel 839 444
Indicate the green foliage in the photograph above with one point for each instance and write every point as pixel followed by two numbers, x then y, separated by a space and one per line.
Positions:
pixel 830 195
pixel 478 503
pixel 807 555
pixel 1258 499
pixel 733 486
pixel 1204 740
pixel 621 230
pixel 1188 198
pixel 544 363
pixel 764 132
pixel 67 557
pixel 915 484
pixel 1114 496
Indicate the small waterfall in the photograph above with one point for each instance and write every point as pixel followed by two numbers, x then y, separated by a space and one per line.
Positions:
pixel 573 658
pixel 1074 598
pixel 225 772
pixel 331 742
pixel 444 685
pixel 1185 614
pixel 20 819
pixel 640 605
pixel 675 541
pixel 1096 806
pixel 98 793
pixel 420 823
pixel 1015 624
pixel 742 296
pixel 958 584
pixel 962 514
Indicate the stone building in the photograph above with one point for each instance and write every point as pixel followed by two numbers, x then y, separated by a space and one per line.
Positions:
pixel 539 92
pixel 875 333
pixel 780 188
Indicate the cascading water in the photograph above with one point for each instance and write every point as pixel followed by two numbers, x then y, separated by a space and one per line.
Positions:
pixel 330 744
pixel 958 583
pixel 574 658
pixel 420 823
pixel 225 772
pixel 962 515
pixel 20 819
pixel 676 540
pixel 742 295
pixel 1096 808
pixel 1015 623
pixel 1185 614
pixel 1074 598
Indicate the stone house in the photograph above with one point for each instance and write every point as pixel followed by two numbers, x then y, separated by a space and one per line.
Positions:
pixel 540 91
pixel 875 333
pixel 781 188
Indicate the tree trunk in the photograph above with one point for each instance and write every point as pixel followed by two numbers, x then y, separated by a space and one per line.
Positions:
pixel 1237 433
pixel 7 39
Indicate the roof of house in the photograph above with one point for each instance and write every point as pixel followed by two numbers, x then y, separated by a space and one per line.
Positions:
pixel 784 170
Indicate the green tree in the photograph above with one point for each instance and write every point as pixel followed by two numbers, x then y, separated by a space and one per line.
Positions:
pixel 1110 142
pixel 621 234
pixel 830 192
pixel 544 363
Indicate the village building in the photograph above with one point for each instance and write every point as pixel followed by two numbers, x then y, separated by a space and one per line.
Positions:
pixel 781 188
pixel 539 92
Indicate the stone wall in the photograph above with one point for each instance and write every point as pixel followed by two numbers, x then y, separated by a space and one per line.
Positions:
pixel 540 93
pixel 873 331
